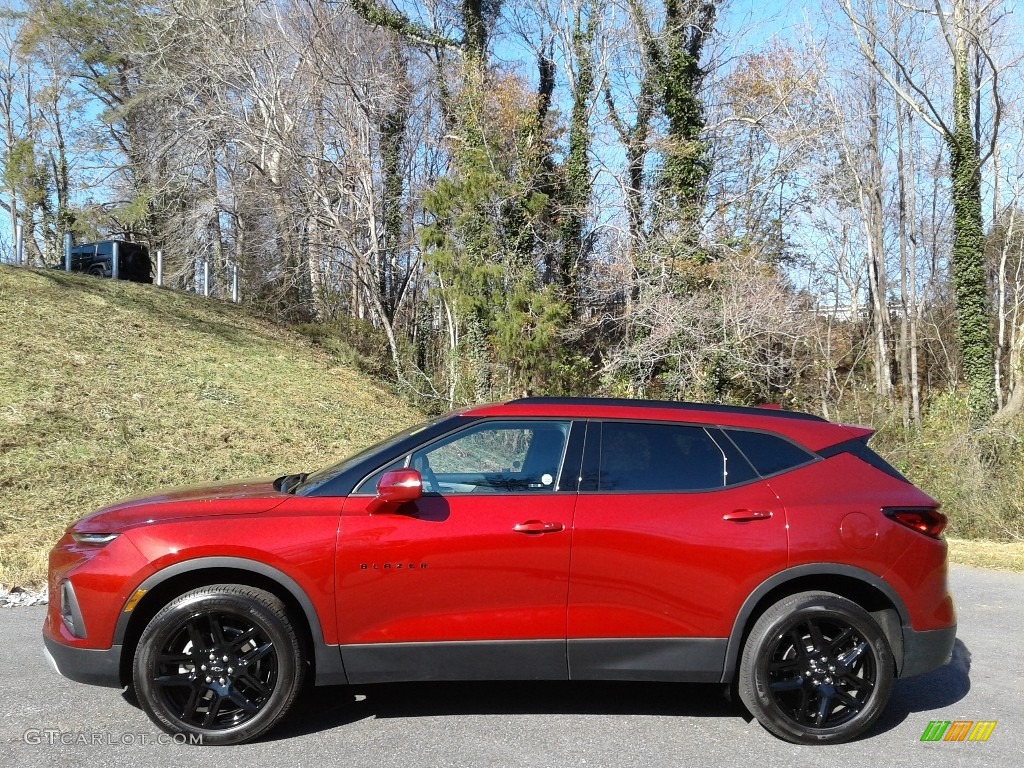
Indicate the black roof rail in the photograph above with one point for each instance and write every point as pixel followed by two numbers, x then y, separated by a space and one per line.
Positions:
pixel 678 404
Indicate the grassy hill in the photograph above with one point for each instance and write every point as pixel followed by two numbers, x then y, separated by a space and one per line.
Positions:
pixel 110 389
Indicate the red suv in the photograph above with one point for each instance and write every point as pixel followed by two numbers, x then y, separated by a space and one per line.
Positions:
pixel 540 539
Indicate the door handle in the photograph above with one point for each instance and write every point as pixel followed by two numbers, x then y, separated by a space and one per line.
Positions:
pixel 745 515
pixel 537 526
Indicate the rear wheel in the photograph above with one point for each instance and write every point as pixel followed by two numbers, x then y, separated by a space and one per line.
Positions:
pixel 816 669
pixel 222 663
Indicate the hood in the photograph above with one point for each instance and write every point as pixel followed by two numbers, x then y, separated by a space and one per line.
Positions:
pixel 233 498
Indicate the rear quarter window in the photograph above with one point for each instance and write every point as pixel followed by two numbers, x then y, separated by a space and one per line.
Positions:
pixel 769 454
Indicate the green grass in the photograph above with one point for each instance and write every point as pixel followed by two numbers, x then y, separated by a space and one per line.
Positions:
pixel 111 389
pixel 977 474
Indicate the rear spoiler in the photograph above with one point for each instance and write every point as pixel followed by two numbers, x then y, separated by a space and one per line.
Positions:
pixel 859 433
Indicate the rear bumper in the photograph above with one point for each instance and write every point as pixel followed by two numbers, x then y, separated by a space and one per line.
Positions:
pixel 85 665
pixel 925 651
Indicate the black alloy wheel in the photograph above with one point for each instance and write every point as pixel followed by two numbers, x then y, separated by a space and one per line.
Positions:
pixel 221 664
pixel 816 669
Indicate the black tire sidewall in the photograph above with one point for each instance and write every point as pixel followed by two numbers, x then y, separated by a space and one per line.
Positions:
pixel 264 610
pixel 753 681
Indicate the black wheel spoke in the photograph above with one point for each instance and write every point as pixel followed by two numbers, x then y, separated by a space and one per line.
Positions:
pixel 801 711
pixel 189 710
pixel 258 653
pixel 817 639
pixel 177 659
pixel 824 708
pixel 799 644
pixel 850 657
pixel 848 700
pixel 176 680
pixel 838 642
pixel 217 631
pixel 860 683
pixel 251 681
pixel 785 665
pixel 211 712
pixel 194 635
pixel 790 684
pixel 244 703
pixel 243 638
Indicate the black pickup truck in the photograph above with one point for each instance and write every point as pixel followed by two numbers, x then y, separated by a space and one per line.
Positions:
pixel 97 259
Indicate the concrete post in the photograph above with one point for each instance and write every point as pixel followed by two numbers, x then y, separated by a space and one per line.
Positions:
pixel 159 268
pixel 67 251
pixel 206 277
pixel 115 266
pixel 19 244
pixel 234 283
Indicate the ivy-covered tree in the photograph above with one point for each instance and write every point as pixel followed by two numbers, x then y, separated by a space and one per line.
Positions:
pixel 682 181
pixel 574 206
pixel 963 27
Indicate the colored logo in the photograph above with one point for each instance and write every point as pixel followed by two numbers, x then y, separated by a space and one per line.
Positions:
pixel 958 730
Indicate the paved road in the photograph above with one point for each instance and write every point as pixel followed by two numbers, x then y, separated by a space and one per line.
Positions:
pixel 520 725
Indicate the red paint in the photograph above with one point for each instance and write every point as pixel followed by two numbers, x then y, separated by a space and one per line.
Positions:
pixel 519 566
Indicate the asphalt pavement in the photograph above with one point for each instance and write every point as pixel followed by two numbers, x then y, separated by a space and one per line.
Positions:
pixel 46 720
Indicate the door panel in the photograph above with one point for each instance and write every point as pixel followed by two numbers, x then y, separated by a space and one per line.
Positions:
pixel 454 568
pixel 471 580
pixel 668 564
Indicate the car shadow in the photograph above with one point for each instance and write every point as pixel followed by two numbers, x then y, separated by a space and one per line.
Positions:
pixel 940 688
pixel 321 709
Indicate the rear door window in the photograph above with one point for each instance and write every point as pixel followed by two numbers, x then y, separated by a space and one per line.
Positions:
pixel 659 457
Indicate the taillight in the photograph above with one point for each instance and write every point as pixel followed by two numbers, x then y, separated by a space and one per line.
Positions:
pixel 926 520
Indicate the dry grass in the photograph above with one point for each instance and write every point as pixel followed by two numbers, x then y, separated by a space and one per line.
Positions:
pixel 999 555
pixel 110 389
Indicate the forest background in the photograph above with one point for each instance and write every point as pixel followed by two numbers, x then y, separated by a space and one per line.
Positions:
pixel 818 206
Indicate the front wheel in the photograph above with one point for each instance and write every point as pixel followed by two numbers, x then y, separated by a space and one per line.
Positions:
pixel 816 669
pixel 221 664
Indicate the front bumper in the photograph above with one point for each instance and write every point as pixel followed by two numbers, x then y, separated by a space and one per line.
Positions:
pixel 925 651
pixel 85 665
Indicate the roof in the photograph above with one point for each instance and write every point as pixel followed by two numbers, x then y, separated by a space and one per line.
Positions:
pixel 810 431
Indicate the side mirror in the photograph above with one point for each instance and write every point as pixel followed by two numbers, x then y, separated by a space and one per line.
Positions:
pixel 396 488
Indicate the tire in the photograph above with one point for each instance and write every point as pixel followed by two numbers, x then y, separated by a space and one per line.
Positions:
pixel 221 664
pixel 95 270
pixel 816 669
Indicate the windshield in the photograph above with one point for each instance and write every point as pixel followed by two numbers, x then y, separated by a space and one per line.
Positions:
pixel 316 479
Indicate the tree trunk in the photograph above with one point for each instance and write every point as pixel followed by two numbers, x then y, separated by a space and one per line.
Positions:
pixel 968 256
